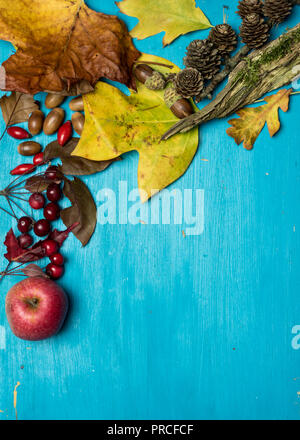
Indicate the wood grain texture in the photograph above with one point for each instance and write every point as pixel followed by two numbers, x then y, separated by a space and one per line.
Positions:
pixel 163 326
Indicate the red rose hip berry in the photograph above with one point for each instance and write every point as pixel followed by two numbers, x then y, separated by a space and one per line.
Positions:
pixel 42 227
pixel 64 133
pixel 53 192
pixel 24 224
pixel 37 201
pixel 18 133
pixel 25 240
pixel 57 259
pixel 54 271
pixel 50 246
pixel 51 211
pixel 38 159
pixel 24 168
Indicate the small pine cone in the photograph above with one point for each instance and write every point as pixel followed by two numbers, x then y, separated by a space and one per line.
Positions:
pixel 277 11
pixel 189 82
pixel 224 38
pixel 203 56
pixel 254 31
pixel 156 81
pixel 247 7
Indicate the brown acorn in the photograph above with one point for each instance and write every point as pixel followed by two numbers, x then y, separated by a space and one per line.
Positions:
pixel 53 100
pixel 53 120
pixel 143 72
pixel 29 148
pixel 78 120
pixel 179 106
pixel 76 104
pixel 35 122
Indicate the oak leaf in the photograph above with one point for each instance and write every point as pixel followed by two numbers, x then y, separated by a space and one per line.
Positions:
pixel 252 120
pixel 63 46
pixel 116 123
pixel 17 107
pixel 174 17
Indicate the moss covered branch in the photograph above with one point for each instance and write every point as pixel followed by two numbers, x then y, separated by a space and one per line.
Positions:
pixel 264 70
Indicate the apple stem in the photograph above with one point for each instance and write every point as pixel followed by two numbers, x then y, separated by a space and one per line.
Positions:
pixel 33 302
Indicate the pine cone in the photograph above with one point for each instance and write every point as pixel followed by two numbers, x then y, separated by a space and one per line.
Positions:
pixel 203 56
pixel 254 31
pixel 189 82
pixel 247 7
pixel 277 11
pixel 156 81
pixel 224 38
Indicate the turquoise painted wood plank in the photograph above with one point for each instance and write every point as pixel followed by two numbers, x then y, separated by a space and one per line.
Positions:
pixel 167 326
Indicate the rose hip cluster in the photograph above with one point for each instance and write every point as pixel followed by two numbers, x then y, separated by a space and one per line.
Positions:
pixel 42 227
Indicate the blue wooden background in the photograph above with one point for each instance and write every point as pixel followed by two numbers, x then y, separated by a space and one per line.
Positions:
pixel 167 326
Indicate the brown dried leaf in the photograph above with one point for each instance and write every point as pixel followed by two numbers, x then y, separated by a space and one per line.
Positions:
pixel 83 209
pixel 37 183
pixel 17 107
pixel 64 47
pixel 73 165
pixel 33 270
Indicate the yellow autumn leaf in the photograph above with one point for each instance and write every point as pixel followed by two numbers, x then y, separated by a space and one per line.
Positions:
pixel 174 17
pixel 252 120
pixel 116 123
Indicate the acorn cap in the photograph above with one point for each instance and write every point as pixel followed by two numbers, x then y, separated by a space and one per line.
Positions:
pixel 156 81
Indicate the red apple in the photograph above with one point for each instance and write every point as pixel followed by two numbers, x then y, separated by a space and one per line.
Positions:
pixel 36 308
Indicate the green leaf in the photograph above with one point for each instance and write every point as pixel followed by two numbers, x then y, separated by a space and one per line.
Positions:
pixel 174 17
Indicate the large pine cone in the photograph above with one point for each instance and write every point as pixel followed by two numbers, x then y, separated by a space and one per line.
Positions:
pixel 254 31
pixel 189 82
pixel 247 7
pixel 277 11
pixel 224 38
pixel 203 56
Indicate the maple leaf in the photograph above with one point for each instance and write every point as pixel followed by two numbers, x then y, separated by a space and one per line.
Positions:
pixel 252 120
pixel 173 17
pixel 116 123
pixel 63 46
pixel 16 253
pixel 17 107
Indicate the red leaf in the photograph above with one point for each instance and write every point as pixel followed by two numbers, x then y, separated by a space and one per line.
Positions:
pixel 12 245
pixel 16 253
pixel 60 236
